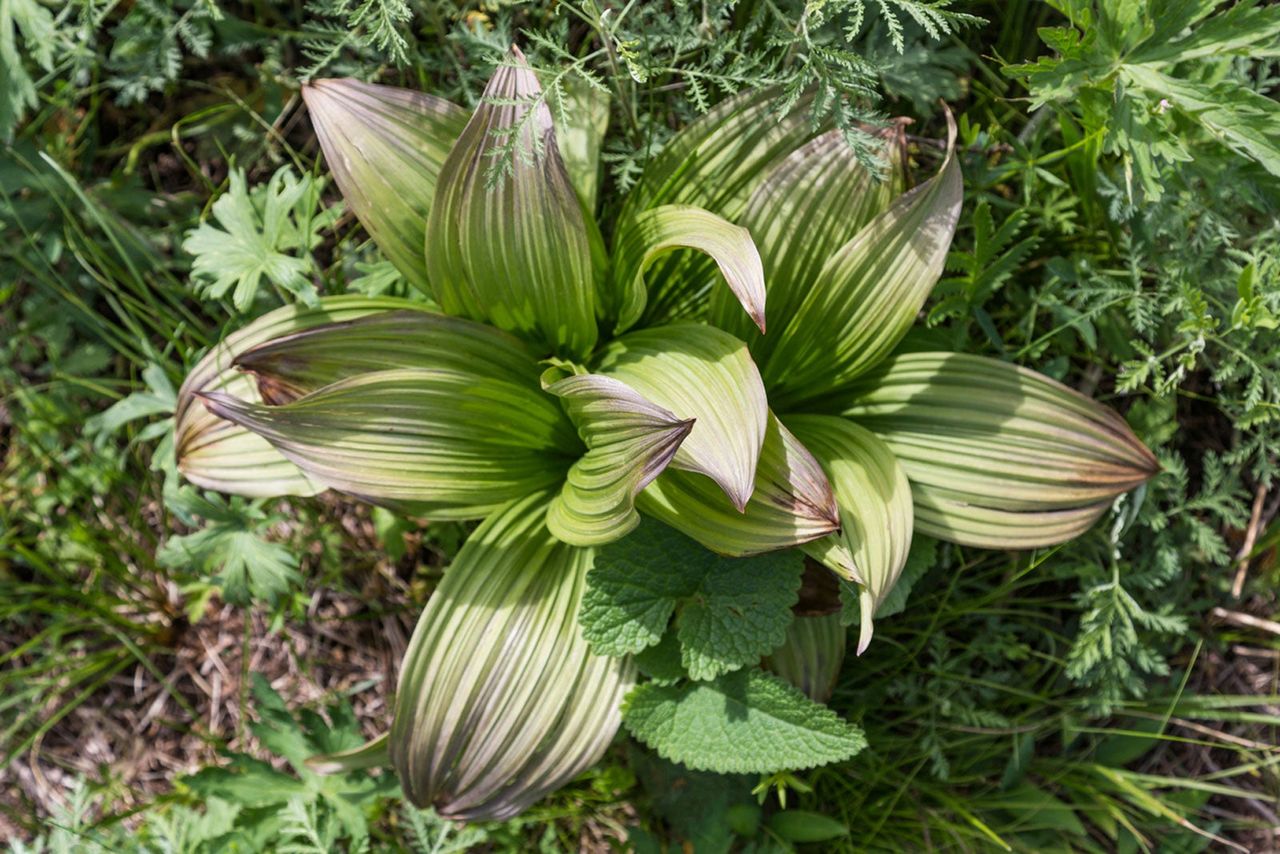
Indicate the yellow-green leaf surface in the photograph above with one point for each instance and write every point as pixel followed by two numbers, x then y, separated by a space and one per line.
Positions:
pixel 875 509
pixel 499 700
pixel 216 454
pixel 385 147
pixel 714 163
pixel 702 373
pixel 441 438
pixel 629 440
pixel 808 206
pixel 867 294
pixel 792 502
pixel 290 366
pixel 580 130
pixel 510 246
pixel 664 229
pixel 998 455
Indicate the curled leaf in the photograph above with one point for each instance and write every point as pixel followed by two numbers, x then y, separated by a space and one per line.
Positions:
pixel 701 373
pixel 811 656
pixel 661 230
pixel 445 439
pixel 629 442
pixel 792 502
pixel 875 509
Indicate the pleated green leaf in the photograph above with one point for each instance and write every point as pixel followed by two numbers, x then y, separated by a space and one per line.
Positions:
pixel 444 439
pixel 513 251
pixel 792 503
pixel 216 454
pixel 290 366
pixel 701 373
pixel 580 130
pixel 809 205
pixel 867 294
pixel 811 656
pixel 999 456
pixel 385 147
pixel 715 163
pixel 629 440
pixel 499 700
pixel 661 230
pixel 875 509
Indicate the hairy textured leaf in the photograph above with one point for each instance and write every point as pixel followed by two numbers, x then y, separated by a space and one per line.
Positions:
pixel 517 253
pixel 998 455
pixel 445 439
pixel 792 502
pixel 731 612
pixel 629 440
pixel 500 700
pixel 701 373
pixel 875 509
pixel 385 147
pixel 747 722
pixel 663 229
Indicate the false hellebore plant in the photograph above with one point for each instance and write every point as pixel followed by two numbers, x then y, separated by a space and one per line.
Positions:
pixel 561 391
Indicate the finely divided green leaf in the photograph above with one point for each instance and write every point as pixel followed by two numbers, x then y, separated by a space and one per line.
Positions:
pixel 745 722
pixel 731 612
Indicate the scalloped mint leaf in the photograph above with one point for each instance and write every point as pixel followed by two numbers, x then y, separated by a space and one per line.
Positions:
pixel 729 611
pixel 662 662
pixel 747 722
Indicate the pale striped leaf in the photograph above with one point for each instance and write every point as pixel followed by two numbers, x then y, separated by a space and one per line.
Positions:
pixel 514 252
pixel 812 654
pixel 217 454
pixel 867 294
pixel 792 502
pixel 443 439
pixel 875 509
pixel 385 147
pixel 661 230
pixel 499 700
pixel 808 206
pixel 289 366
pixel 999 456
pixel 629 440
pixel 702 373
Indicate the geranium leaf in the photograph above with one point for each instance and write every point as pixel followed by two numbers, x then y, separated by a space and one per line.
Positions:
pixel 748 722
pixel 506 239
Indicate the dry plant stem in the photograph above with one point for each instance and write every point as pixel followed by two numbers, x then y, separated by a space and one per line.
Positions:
pixel 1250 536
pixel 1246 620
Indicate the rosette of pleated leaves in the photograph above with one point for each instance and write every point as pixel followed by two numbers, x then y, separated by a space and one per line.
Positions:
pixel 563 387
pixel 532 392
